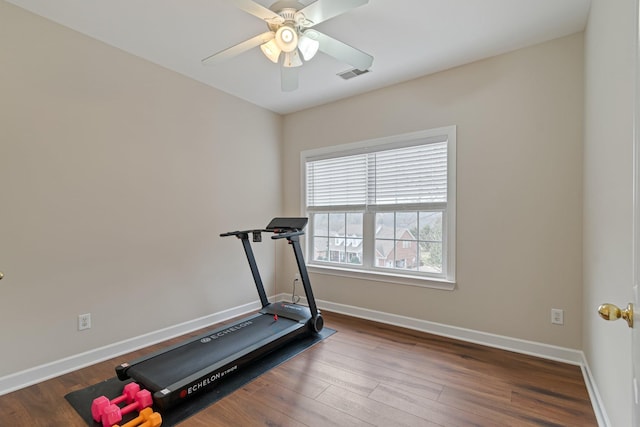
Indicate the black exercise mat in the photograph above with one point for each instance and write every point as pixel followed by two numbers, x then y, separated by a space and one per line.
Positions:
pixel 81 400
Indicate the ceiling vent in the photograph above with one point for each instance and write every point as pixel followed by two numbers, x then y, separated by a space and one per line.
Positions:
pixel 349 74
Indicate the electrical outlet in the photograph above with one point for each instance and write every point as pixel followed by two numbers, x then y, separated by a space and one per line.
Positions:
pixel 557 316
pixel 84 321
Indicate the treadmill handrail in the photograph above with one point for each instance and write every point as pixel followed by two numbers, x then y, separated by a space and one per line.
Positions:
pixel 287 234
pixel 277 232
pixel 237 233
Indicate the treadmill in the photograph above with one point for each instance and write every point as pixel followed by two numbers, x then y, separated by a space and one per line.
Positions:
pixel 195 366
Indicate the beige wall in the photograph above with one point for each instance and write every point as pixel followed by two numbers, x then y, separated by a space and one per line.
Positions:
pixel 116 177
pixel 519 184
pixel 608 190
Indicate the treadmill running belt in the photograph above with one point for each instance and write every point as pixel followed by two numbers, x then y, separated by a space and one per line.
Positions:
pixel 179 363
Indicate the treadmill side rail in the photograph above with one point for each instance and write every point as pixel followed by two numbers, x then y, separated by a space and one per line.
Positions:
pixel 122 369
pixel 208 377
pixel 296 312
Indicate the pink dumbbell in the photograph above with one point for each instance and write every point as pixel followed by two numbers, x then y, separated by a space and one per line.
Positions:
pixel 113 414
pixel 101 403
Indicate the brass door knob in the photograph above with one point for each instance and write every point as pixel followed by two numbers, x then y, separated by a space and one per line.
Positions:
pixel 1 275
pixel 612 312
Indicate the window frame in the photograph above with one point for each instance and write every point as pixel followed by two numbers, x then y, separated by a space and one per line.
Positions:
pixel 446 280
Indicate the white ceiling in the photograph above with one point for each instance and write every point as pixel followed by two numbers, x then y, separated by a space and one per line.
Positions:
pixel 407 38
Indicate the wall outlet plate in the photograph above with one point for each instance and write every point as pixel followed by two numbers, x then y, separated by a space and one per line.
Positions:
pixel 84 321
pixel 557 316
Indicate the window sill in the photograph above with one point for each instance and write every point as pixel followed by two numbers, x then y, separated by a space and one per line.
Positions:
pixel 395 279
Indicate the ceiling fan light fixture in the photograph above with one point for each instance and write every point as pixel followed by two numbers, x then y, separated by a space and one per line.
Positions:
pixel 286 38
pixel 271 50
pixel 308 47
pixel 292 59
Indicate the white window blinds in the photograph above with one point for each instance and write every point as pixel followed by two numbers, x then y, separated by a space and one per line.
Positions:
pixel 340 181
pixel 408 175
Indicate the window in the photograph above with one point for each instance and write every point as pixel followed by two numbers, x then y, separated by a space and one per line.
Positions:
pixel 384 207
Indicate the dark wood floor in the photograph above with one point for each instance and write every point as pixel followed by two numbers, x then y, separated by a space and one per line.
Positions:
pixel 365 374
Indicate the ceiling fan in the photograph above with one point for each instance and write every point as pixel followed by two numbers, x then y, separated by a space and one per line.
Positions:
pixel 291 35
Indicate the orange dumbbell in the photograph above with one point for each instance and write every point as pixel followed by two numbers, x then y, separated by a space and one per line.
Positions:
pixel 147 417
pixel 113 414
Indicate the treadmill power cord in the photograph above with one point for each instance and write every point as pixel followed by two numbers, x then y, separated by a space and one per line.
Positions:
pixel 294 298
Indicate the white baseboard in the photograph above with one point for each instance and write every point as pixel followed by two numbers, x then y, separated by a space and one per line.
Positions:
pixel 594 395
pixel 53 369
pixel 56 368
pixel 545 351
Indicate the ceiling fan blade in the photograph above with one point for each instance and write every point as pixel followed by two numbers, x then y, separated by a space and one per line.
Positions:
pixel 322 10
pixel 341 51
pixel 289 78
pixel 258 10
pixel 238 49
